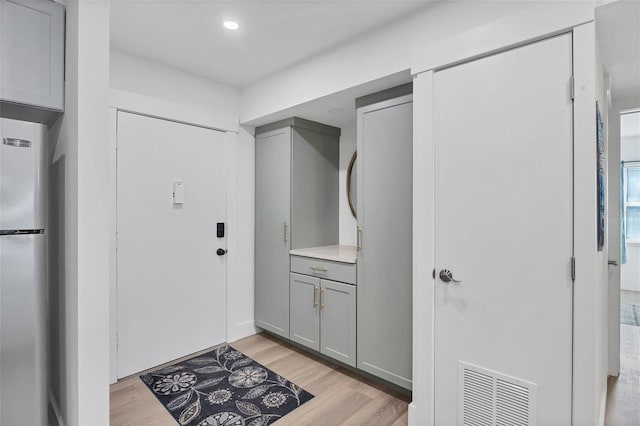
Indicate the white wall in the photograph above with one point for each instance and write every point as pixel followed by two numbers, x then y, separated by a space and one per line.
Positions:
pixel 614 284
pixel 613 222
pixel 241 216
pixel 601 338
pixel 137 83
pixel 371 56
pixel 630 271
pixel 145 87
pixel 615 273
pixel 63 242
pixel 79 325
pixel 348 224
pixel 630 148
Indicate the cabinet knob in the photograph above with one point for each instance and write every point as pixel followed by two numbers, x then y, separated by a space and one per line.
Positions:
pixel 221 252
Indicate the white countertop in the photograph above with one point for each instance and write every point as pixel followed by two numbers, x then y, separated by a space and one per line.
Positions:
pixel 345 254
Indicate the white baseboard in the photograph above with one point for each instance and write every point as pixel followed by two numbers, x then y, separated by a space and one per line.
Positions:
pixel 56 409
pixel 412 414
pixel 241 330
pixel 603 405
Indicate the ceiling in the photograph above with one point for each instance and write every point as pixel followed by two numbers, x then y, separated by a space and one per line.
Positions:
pixel 273 35
pixel 618 30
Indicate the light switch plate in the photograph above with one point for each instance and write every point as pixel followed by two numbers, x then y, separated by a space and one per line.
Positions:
pixel 178 192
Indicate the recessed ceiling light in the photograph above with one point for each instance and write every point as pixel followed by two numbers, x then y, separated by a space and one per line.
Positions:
pixel 231 25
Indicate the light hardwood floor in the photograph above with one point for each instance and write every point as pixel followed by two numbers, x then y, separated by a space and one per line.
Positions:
pixel 341 397
pixel 623 392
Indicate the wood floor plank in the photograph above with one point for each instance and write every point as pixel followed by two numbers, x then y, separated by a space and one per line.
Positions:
pixel 623 393
pixel 403 420
pixel 341 396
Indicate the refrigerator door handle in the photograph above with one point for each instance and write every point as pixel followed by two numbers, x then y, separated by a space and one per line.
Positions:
pixel 18 143
pixel 22 232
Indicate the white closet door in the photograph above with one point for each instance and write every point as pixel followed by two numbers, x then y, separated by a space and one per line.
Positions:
pixel 171 282
pixel 503 135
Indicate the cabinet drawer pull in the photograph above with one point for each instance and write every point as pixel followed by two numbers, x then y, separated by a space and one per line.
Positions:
pixel 321 293
pixel 318 268
pixel 315 291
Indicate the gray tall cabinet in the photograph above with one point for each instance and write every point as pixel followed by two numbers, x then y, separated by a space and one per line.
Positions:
pixel 384 210
pixel 297 164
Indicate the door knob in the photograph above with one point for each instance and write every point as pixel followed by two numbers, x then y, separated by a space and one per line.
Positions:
pixel 447 276
pixel 221 252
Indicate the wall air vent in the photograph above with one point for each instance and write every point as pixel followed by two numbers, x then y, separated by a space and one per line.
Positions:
pixel 489 398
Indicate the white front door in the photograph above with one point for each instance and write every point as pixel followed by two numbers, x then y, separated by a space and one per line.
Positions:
pixel 503 147
pixel 171 282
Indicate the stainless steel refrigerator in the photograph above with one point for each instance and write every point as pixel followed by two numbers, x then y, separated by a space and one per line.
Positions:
pixel 23 171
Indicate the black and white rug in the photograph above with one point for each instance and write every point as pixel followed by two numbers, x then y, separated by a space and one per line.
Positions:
pixel 630 314
pixel 224 387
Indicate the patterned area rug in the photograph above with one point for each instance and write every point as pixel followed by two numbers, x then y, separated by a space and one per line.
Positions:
pixel 630 314
pixel 224 387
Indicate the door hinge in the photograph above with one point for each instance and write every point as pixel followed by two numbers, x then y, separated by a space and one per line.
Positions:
pixel 573 268
pixel 572 87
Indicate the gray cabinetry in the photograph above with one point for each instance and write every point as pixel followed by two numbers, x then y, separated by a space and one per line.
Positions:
pixel 335 271
pixel 273 200
pixel 385 236
pixel 338 321
pixel 31 60
pixel 305 310
pixel 297 165
pixel 323 316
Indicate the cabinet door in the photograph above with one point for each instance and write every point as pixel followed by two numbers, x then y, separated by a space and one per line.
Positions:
pixel 32 53
pixel 385 136
pixel 304 310
pixel 273 201
pixel 338 321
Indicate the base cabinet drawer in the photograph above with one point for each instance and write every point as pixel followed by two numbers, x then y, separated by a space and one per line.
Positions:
pixel 324 269
pixel 323 316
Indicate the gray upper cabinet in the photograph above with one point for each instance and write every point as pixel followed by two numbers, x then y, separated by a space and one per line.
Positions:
pixel 31 60
pixel 297 165
pixel 385 141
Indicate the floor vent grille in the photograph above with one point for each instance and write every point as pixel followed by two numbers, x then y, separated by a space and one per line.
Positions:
pixel 489 398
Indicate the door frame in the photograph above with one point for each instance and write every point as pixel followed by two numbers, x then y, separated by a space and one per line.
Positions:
pixel 589 311
pixel 231 217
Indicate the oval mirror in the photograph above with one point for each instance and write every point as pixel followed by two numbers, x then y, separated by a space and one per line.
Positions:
pixel 352 186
